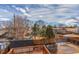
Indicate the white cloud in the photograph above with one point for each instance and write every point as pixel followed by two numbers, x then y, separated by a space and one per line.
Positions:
pixel 4 11
pixel 13 6
pixel 22 10
pixel 49 12
pixel 26 14
pixel 61 10
pixel 19 8
pixel 40 11
pixel 27 9
pixel 62 21
pixel 4 19
pixel 68 5
pixel 1 16
pixel 70 22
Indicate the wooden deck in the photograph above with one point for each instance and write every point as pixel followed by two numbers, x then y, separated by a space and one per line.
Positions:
pixel 67 48
pixel 72 36
pixel 39 49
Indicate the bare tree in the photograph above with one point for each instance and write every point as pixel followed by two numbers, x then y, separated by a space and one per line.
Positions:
pixel 18 26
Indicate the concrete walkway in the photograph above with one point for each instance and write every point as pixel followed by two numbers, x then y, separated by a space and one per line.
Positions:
pixel 67 48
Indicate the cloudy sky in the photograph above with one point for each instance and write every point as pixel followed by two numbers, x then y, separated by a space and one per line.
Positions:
pixel 52 13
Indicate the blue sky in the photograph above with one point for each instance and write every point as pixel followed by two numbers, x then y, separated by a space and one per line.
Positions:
pixel 60 13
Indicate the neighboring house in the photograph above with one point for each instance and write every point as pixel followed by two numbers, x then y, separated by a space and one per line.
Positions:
pixel 3 44
pixel 77 30
pixel 60 30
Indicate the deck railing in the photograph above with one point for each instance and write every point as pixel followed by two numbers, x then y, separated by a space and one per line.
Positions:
pixel 44 50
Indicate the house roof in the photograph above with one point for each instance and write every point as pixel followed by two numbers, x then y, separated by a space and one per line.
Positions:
pixel 21 43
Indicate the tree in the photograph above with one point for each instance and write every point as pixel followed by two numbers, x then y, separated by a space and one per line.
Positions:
pixel 18 27
pixel 51 39
pixel 43 31
pixel 49 32
pixel 38 28
pixel 35 30
pixel 40 23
